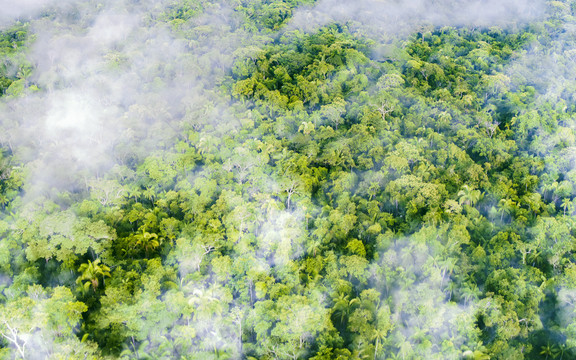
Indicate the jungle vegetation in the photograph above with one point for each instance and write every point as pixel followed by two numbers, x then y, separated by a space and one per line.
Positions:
pixel 331 194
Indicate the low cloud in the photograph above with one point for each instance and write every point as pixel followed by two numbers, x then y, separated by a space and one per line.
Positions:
pixel 24 9
pixel 394 16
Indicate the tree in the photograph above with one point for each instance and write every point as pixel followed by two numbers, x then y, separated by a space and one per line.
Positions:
pixel 567 206
pixel 44 321
pixel 468 196
pixel 147 241
pixel 387 103
pixel 343 306
pixel 307 127
pixel 382 328
pixel 505 206
pixel 550 351
pixel 285 327
pixel 291 187
pixel 92 272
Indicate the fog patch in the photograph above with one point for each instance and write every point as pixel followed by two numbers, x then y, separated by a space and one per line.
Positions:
pixel 394 16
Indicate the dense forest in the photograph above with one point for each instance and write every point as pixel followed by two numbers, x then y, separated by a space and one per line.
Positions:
pixel 288 179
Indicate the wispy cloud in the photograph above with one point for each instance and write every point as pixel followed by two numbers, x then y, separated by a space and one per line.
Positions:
pixel 395 16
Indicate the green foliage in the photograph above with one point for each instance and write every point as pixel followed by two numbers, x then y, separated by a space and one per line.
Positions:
pixel 14 69
pixel 305 70
pixel 269 15
pixel 92 273
pixel 313 200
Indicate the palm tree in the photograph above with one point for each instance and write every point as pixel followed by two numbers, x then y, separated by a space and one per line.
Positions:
pixel 207 303
pixel 470 292
pixel 533 257
pixel 475 355
pixel 405 349
pixel 548 350
pixel 469 196
pixel 447 265
pixel 378 335
pixel 133 193
pixel 148 241
pixel 343 306
pixel 149 193
pixel 551 188
pixel 91 272
pixel 562 349
pixel 505 206
pixel 24 74
pixel 529 181
pixel 4 201
pixel 313 246
pixel 567 204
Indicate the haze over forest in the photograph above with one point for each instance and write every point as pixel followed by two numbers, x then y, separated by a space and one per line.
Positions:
pixel 287 179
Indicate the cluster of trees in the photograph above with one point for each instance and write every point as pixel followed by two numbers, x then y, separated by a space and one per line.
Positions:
pixel 14 69
pixel 321 201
